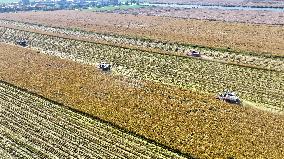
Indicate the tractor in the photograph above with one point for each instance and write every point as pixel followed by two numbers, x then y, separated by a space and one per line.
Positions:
pixel 229 97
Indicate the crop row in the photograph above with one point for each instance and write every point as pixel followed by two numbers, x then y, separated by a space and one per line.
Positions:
pixel 186 120
pixel 33 127
pixel 165 47
pixel 243 16
pixel 257 85
pixel 260 39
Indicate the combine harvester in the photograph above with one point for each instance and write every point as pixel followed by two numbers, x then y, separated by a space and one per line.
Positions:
pixel 193 53
pixel 105 66
pixel 22 42
pixel 230 97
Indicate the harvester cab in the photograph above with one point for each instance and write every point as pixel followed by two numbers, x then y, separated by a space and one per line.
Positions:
pixel 105 66
pixel 230 97
pixel 22 42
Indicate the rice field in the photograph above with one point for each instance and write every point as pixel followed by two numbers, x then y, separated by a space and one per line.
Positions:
pixel 240 16
pixel 33 127
pixel 157 101
pixel 255 85
pixel 194 123
pixel 254 3
pixel 256 38
pixel 161 47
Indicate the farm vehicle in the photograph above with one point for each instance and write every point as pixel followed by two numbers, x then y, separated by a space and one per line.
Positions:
pixel 229 97
pixel 22 42
pixel 193 53
pixel 104 66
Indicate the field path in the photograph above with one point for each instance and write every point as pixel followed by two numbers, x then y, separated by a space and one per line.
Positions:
pixel 32 127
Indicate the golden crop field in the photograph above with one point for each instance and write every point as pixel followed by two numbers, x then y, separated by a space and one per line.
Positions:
pixel 34 127
pixel 153 46
pixel 235 36
pixel 185 120
pixel 264 87
pixel 160 95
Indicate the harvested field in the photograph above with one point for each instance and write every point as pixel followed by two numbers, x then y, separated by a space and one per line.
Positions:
pixel 255 3
pixel 261 86
pixel 239 37
pixel 32 127
pixel 185 120
pixel 240 16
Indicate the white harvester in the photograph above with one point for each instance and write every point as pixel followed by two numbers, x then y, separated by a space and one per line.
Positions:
pixel 22 42
pixel 193 53
pixel 230 97
pixel 104 66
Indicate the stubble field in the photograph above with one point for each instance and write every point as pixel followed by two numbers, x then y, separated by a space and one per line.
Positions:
pixel 154 90
pixel 234 36
pixel 255 3
pixel 240 16
pixel 262 86
pixel 262 61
